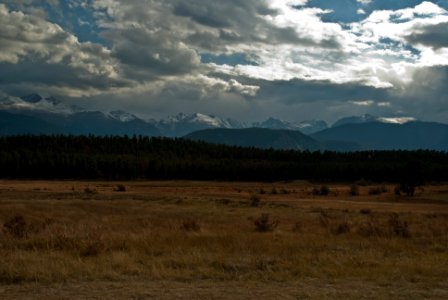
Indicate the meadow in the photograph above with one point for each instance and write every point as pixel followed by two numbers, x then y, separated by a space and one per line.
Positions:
pixel 221 240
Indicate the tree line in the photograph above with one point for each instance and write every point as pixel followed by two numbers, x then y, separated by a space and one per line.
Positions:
pixel 141 157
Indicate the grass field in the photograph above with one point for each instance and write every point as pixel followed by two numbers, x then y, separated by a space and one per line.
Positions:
pixel 214 240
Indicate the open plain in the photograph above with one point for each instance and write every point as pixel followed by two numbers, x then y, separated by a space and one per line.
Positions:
pixel 221 240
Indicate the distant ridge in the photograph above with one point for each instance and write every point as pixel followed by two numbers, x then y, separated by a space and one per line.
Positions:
pixel 388 136
pixel 257 137
pixel 36 114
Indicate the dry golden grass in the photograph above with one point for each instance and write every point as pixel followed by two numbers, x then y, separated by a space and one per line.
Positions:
pixel 198 240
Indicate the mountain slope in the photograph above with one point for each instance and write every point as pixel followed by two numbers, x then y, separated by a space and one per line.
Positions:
pixel 388 136
pixel 306 127
pixel 256 137
pixel 13 124
pixel 183 124
pixel 95 123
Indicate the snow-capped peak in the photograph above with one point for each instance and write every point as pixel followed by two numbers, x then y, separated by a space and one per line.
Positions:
pixel 397 120
pixel 37 103
pixel 122 116
pixel 199 118
pixel 306 127
pixel 212 121
pixel 369 118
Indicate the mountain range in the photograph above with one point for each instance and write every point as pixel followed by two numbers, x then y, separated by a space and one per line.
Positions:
pixel 257 137
pixel 34 114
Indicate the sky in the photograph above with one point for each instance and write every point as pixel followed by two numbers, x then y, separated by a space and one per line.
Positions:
pixel 244 59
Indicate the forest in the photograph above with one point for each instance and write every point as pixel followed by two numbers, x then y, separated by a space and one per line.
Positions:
pixel 141 157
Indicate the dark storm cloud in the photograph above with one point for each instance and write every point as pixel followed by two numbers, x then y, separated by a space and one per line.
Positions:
pixel 298 91
pixel 427 95
pixel 435 36
pixel 222 14
pixel 36 52
pixel 38 72
pixel 241 58
pixel 240 21
pixel 158 53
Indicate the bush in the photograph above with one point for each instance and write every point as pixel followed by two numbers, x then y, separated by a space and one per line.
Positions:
pixel 255 200
pixel 90 191
pixel 406 188
pixel 284 191
pixel 120 188
pixel 297 227
pixel 354 190
pixel 377 190
pixel 324 190
pixel 264 223
pixel 190 225
pixel 397 190
pixel 16 226
pixel 343 227
pixel 398 227
pixel 365 211
pixel 92 246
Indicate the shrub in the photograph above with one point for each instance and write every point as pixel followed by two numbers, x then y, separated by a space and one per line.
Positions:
pixel 120 188
pixel 342 228
pixel 92 246
pixel 407 188
pixel 90 191
pixel 354 190
pixel 324 190
pixel 377 190
pixel 264 223
pixel 398 227
pixel 370 228
pixel 16 226
pixel 191 225
pixel 284 191
pixel 365 211
pixel 297 227
pixel 255 200
pixel 323 219
pixel 397 190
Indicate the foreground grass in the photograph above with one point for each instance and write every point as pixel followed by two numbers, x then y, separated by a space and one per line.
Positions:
pixel 206 232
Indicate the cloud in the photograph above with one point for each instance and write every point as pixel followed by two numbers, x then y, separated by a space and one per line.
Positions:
pixel 365 2
pixel 34 51
pixel 434 36
pixel 241 58
pixel 364 102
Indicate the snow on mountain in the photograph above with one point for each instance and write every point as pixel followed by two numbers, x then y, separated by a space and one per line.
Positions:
pixel 198 118
pixel 306 127
pixel 182 124
pixel 122 116
pixel 311 126
pixel 37 103
pixel 272 123
pixel 397 120
pixel 369 118
pixel 355 120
